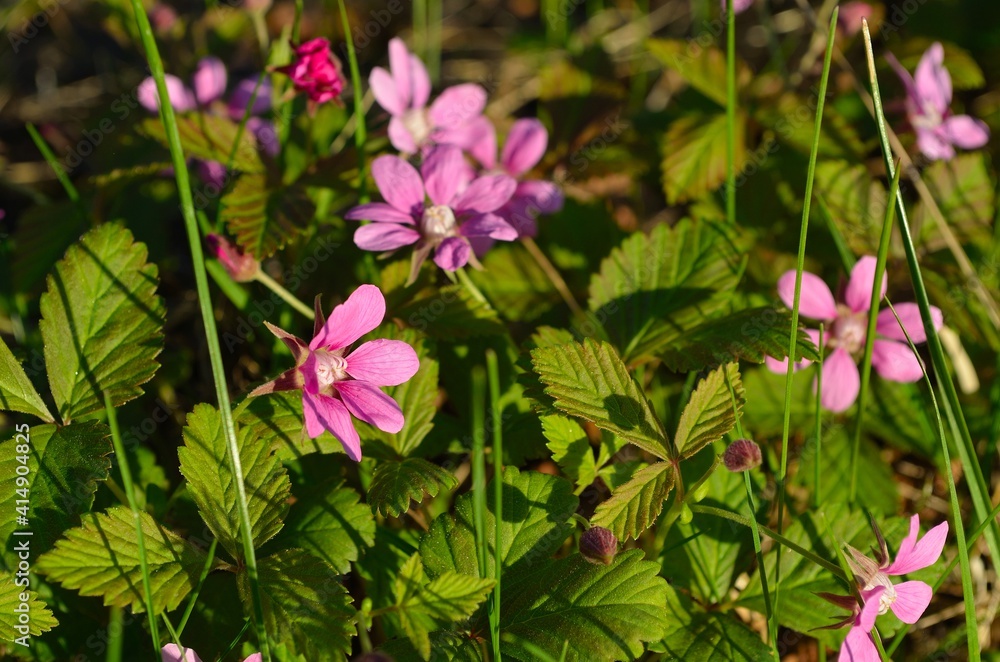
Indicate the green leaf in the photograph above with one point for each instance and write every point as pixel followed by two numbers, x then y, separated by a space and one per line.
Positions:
pixel 589 380
pixel 40 618
pixel 634 506
pixel 17 393
pixel 65 464
pixel 708 415
pixel 275 420
pixel 965 192
pixel 536 520
pixel 694 634
pixel 213 487
pixel 211 138
pixel 102 558
pixel 652 289
pixel 694 155
pixel 101 322
pixel 703 67
pixel 331 523
pixel 791 117
pixel 514 283
pixel 856 202
pixel 571 448
pixel 396 483
pixel 305 605
pixel 450 313
pixel 748 335
pixel 604 612
pixel 263 215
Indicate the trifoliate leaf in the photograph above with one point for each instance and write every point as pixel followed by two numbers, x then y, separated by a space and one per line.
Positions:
pixel 590 380
pixel 17 393
pixel 54 471
pixel 396 483
pixel 694 634
pixel 694 155
pixel 709 414
pixel 102 558
pixel 38 617
pixel 634 506
pixel 263 215
pixel 101 322
pixel 205 466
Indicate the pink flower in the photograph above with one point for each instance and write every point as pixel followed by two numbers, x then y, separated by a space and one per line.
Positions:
pixel 315 71
pixel 524 148
pixel 171 653
pixel 847 325
pixel 336 384
pixel 208 81
pixel 859 645
pixel 851 16
pixel 455 117
pixel 928 97
pixel 240 266
pixel 461 207
pixel 739 6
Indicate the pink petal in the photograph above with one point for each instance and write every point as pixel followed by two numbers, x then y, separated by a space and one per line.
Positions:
pixel 180 96
pixel 489 225
pixel 904 75
pixel 914 555
pixel 399 65
pixel 384 88
pixel 212 173
pixel 421 83
pixel 858 647
pixel 932 81
pixel 209 80
pixel 895 361
pixel 841 381
pixel 911 601
pixel 525 146
pixel 545 197
pixel 383 362
pixel 442 171
pixel 859 289
pixel 263 130
pixel 909 315
pixel 326 413
pixel 485 194
pixel 934 143
pixel 452 254
pixel 362 312
pixel 816 300
pixel 457 105
pixel 966 132
pixel 171 653
pixel 378 211
pixel 479 138
pixel 240 97
pixel 380 237
pixel 371 405
pixel 256 657
pixel 400 136
pixel 399 183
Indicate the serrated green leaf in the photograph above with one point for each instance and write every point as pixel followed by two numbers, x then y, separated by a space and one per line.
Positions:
pixel 514 283
pixel 748 335
pixel 331 523
pixel 396 483
pixel 694 155
pixel 856 202
pixel 210 137
pixel 305 605
pixel 446 646
pixel 604 612
pixel 275 420
pixel 449 313
pixel 965 192
pixel 634 506
pixel 17 393
pixel 589 380
pixel 35 251
pixel 709 414
pixel 40 618
pixel 101 322
pixel 65 464
pixel 536 520
pixel 263 215
pixel 694 634
pixel 213 487
pixel 102 558
pixel 791 117
pixel 571 448
pixel 652 289
pixel 703 67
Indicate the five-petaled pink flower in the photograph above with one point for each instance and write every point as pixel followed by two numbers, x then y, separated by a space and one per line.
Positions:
pixel 524 148
pixel 928 97
pixel 846 329
pixel 461 207
pixel 171 653
pixel 454 118
pixel 337 384
pixel 315 71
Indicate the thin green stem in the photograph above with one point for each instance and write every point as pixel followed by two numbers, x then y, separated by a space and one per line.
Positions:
pixel 297 21
pixel 493 372
pixel 287 296
pixel 116 632
pixel 817 456
pixel 193 600
pixel 360 131
pixel 419 11
pixel 730 113
pixel 866 362
pixel 479 465
pixel 435 18
pixel 208 318
pixel 123 467
pixel 53 162
pixel 463 276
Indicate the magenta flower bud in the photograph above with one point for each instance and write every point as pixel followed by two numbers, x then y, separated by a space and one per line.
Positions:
pixel 162 17
pixel 240 266
pixel 742 455
pixel 315 71
pixel 598 545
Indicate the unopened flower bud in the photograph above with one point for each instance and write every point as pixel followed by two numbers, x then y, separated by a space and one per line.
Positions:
pixel 240 266
pixel 742 455
pixel 315 71
pixel 598 545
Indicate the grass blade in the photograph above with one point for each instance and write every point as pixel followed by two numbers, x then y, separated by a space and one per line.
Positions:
pixel 493 372
pixel 730 113
pixel 479 465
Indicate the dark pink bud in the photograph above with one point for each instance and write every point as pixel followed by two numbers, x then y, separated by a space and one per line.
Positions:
pixel 315 71
pixel 598 545
pixel 240 266
pixel 162 18
pixel 742 455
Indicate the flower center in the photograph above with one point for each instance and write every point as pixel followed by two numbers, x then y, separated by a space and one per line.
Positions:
pixel 888 595
pixel 330 368
pixel 438 222
pixel 418 124
pixel 849 330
